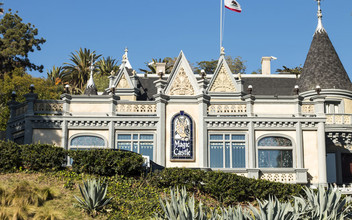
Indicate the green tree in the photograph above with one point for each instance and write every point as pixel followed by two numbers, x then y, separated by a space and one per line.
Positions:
pixel 106 66
pixel 237 65
pixel 17 40
pixel 20 83
pixel 76 73
pixel 170 62
pixel 55 75
pixel 285 70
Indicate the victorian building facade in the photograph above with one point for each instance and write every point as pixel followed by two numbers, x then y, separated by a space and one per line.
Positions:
pixel 280 127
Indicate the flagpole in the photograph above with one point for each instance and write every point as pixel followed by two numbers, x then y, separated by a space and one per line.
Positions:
pixel 221 23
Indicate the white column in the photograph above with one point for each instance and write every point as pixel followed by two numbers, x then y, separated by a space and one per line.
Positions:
pixel 251 146
pixel 299 146
pixel 202 149
pixel 159 152
pixel 321 154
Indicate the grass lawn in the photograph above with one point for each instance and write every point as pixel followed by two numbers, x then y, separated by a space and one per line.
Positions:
pixel 59 206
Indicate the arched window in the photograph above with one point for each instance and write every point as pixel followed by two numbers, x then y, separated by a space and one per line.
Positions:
pixel 275 152
pixel 87 141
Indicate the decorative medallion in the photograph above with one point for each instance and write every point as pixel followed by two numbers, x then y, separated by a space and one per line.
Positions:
pixel 182 137
pixel 123 84
pixel 181 85
pixel 223 82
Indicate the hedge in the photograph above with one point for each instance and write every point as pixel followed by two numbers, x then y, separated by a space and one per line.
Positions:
pixel 10 156
pixel 224 187
pixel 107 162
pixel 39 157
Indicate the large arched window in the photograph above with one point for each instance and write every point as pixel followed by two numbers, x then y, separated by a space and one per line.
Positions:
pixel 275 152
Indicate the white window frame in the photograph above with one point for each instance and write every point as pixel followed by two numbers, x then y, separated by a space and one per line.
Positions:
pixel 223 133
pixel 153 141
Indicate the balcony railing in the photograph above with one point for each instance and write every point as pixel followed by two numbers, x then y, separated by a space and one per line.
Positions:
pixel 227 109
pixel 338 119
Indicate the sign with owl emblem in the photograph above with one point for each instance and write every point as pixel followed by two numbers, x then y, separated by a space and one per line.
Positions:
pixel 182 137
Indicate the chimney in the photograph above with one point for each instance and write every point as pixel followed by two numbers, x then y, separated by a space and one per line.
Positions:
pixel 266 65
pixel 160 67
pixel 266 69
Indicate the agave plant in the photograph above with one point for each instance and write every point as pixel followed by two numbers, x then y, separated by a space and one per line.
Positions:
pixel 181 207
pixel 93 193
pixel 230 213
pixel 272 209
pixel 322 204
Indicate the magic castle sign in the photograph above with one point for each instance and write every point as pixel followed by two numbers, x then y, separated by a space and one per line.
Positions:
pixel 182 137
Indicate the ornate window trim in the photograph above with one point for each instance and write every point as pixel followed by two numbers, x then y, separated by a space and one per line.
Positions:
pixel 187 143
pixel 282 148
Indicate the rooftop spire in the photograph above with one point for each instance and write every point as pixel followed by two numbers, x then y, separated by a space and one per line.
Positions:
pixel 125 59
pixel 91 89
pixel 320 27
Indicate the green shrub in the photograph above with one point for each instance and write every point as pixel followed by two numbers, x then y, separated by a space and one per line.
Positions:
pixel 227 188
pixel 107 162
pixel 41 157
pixel 10 156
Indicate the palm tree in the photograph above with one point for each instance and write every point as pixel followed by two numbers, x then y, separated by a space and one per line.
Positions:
pixel 56 75
pixel 77 72
pixel 152 65
pixel 106 66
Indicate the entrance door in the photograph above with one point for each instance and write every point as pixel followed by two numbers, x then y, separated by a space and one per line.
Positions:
pixel 346 160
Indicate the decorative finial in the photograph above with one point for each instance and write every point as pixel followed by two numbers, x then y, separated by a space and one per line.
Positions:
pixel 31 88
pixel 318 89
pixel 134 72
pixel 125 57
pixel 160 74
pixel 222 51
pixel 67 87
pixel 320 27
pixel 250 89
pixel 203 74
pixel 296 90
pixel 239 76
pixel 91 68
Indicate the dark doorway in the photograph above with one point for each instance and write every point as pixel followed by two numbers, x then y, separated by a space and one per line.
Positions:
pixel 346 160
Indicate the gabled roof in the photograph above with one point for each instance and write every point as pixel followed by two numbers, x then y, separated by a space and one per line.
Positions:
pixel 182 80
pixel 223 80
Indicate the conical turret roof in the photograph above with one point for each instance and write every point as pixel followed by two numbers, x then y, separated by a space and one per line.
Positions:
pixel 323 66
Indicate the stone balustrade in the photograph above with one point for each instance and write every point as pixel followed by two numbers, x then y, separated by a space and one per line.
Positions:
pixel 279 177
pixel 48 107
pixel 227 109
pixel 136 108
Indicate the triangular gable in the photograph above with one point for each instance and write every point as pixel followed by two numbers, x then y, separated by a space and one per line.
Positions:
pixel 222 80
pixel 123 80
pixel 182 80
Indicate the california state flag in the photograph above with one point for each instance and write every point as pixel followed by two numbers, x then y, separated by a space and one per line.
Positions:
pixel 233 5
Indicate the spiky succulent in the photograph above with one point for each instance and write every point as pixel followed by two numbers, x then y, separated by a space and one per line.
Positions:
pixel 93 193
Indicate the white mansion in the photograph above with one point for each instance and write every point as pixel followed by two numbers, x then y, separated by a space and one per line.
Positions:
pixel 280 127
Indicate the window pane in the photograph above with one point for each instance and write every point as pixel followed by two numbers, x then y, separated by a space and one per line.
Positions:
pixel 238 155
pixel 216 155
pixel 146 148
pixel 123 137
pixel 124 145
pixel 216 137
pixel 227 137
pixel 238 137
pixel 135 137
pixel 275 142
pixel 86 140
pixel 227 155
pixel 135 147
pixel 275 158
pixel 146 137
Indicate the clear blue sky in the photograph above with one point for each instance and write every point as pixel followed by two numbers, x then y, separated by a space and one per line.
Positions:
pixel 161 28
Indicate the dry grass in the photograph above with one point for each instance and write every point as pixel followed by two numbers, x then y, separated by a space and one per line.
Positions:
pixel 38 197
